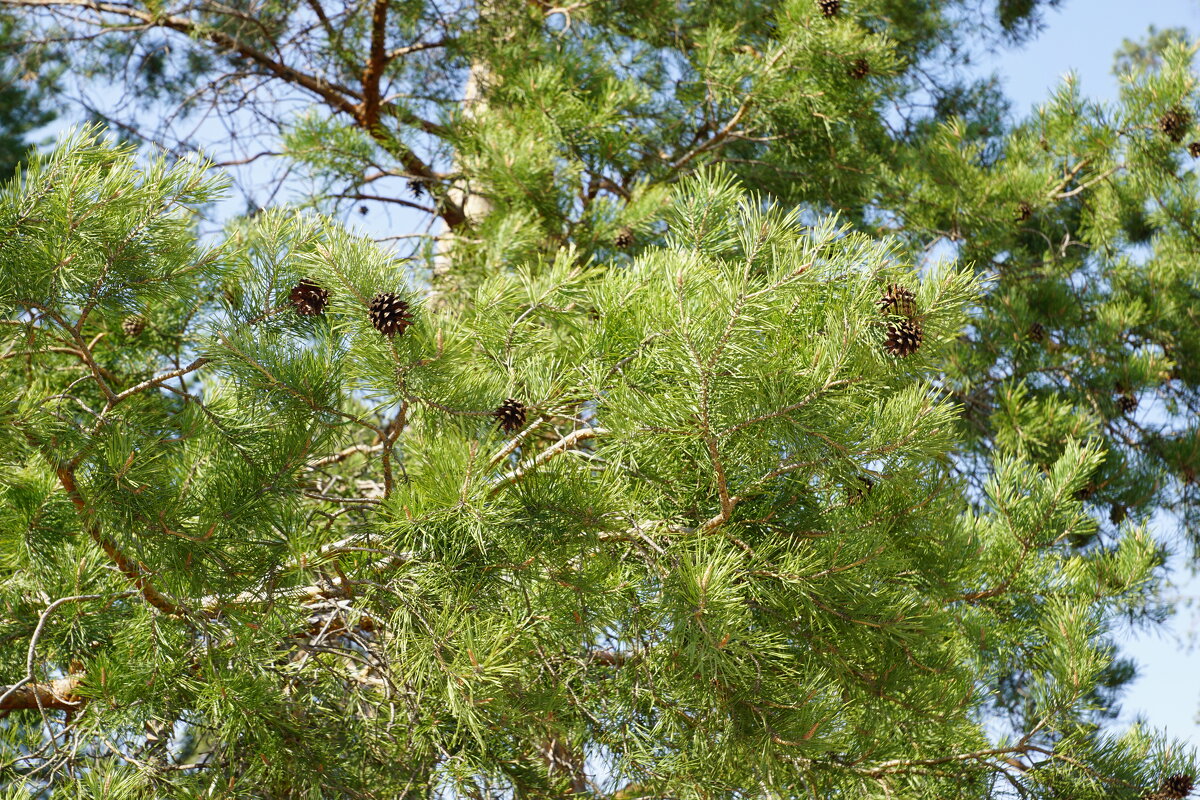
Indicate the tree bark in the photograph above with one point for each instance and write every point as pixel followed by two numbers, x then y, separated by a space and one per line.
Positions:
pixel 475 206
pixel 56 695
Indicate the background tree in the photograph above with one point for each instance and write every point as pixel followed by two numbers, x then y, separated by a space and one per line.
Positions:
pixel 274 526
pixel 28 80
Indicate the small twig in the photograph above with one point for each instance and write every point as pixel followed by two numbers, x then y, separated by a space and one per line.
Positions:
pixel 558 447
pixel 158 381
pixel 58 689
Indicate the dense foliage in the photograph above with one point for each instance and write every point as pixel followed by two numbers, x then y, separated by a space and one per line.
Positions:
pixel 725 548
pixel 641 475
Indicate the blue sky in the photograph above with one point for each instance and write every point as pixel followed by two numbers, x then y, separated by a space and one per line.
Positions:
pixel 1082 36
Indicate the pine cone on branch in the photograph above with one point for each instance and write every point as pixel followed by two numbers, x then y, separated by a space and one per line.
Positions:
pixel 1176 787
pixel 510 415
pixel 830 8
pixel 860 69
pixel 308 298
pixel 1037 332
pixel 1175 123
pixel 904 338
pixel 1022 212
pixel 389 314
pixel 898 300
pixel 1194 149
pixel 133 325
pixel 624 238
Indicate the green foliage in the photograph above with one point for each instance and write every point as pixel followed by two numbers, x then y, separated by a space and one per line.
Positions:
pixel 728 554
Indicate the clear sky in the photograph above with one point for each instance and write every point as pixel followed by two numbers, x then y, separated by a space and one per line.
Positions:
pixel 1081 36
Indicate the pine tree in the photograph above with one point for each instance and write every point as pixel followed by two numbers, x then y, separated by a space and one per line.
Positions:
pixel 258 556
pixel 517 128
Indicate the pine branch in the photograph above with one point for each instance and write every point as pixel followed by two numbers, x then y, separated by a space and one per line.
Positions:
pixel 131 570
pixel 561 446
pixel 373 70
pixel 340 98
pixel 724 132
pixel 157 381
pixel 55 695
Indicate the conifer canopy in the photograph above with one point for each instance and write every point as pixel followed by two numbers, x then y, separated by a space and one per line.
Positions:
pixel 728 552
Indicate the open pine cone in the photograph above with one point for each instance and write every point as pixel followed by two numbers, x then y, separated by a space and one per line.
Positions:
pixel 389 314
pixel 904 338
pixel 308 298
pixel 510 415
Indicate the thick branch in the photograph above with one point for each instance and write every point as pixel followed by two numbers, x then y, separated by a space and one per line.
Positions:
pixel 55 695
pixel 373 71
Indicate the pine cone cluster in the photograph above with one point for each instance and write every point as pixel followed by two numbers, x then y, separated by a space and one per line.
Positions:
pixel 133 325
pixel 1175 123
pixel 830 8
pixel 308 298
pixel 624 238
pixel 860 69
pixel 1194 149
pixel 510 415
pixel 389 314
pixel 904 338
pixel 1022 212
pixel 898 300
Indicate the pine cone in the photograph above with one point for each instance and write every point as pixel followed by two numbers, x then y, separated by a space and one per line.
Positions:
pixel 416 187
pixel 624 238
pixel 1175 123
pixel 1117 514
pixel 856 493
pixel 1194 149
pixel 133 325
pixel 860 69
pixel 1127 402
pixel 1037 332
pixel 511 415
pixel 1176 787
pixel 1022 212
pixel 904 338
pixel 1086 492
pixel 830 8
pixel 308 298
pixel 897 300
pixel 389 314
